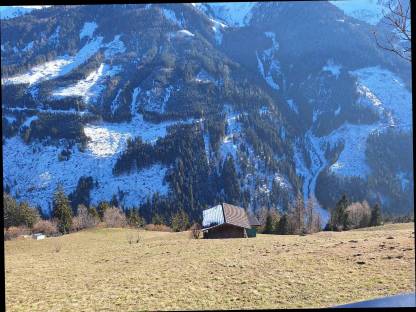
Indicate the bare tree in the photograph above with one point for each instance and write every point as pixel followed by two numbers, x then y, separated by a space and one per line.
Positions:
pixel 114 217
pixel 358 215
pixel 297 216
pixel 83 220
pixel 195 231
pixel 397 18
pixel 313 221
pixel 262 215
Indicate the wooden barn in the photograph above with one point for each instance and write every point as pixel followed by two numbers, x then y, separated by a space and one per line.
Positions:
pixel 228 221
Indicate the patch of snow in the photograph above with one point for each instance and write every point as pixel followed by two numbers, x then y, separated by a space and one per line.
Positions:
pixel 37 169
pixel 171 16
pixel 45 71
pixel 352 160
pixel 59 67
pixel 207 146
pixel 183 33
pixel 156 99
pixel 282 181
pixel 38 172
pixel 263 110
pixel 91 87
pixel 314 147
pixel 333 68
pixel 369 11
pixel 203 77
pixel 29 121
pixel 267 64
pixel 236 14
pixel 387 93
pixel 88 30
pixel 338 111
pixel 114 47
pixel 28 47
pixel 10 119
pixel 166 98
pixel 293 105
pixel 283 133
pixel 404 179
pixel 115 103
pixel 217 28
pixel 133 105
pixel 315 115
pixel 233 129
pixel 9 12
pixel 54 38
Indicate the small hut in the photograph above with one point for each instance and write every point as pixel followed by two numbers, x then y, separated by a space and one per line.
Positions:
pixel 228 221
pixel 254 223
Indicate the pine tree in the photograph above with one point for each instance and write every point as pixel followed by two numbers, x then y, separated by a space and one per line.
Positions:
pixel 376 217
pixel 10 211
pixel 283 225
pixel 268 228
pixel 180 221
pixel 158 219
pixel 134 218
pixel 29 216
pixel 299 215
pixel 230 181
pixel 62 210
pixel 101 208
pixel 93 212
pixel 18 214
pixel 339 216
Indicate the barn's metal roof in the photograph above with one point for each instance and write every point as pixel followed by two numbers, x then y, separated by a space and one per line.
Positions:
pixel 253 220
pixel 236 216
pixel 229 214
pixel 212 216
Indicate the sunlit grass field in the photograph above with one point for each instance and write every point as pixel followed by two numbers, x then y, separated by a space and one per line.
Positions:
pixel 99 270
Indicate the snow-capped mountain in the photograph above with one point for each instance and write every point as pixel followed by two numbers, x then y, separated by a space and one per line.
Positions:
pixel 185 105
pixel 8 12
pixel 369 11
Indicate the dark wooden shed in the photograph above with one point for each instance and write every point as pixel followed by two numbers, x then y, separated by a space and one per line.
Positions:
pixel 227 221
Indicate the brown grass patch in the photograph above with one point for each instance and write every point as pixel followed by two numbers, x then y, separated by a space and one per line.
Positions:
pixel 100 270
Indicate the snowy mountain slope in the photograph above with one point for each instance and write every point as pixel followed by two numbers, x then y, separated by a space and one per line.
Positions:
pixel 38 170
pixel 59 67
pixel 267 64
pixel 369 11
pixel 394 103
pixel 8 12
pixel 234 14
pixel 90 88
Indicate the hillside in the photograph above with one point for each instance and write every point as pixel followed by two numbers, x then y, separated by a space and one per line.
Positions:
pixel 100 270
pixel 181 106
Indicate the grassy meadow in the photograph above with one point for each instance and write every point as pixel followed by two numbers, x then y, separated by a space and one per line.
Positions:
pixel 100 270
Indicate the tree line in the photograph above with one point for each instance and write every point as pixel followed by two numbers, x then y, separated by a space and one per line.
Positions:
pixel 299 219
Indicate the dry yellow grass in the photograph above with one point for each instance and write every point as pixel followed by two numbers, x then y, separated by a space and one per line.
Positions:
pixel 99 270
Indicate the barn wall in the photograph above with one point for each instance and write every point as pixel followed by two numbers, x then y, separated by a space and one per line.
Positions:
pixel 225 231
pixel 251 232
